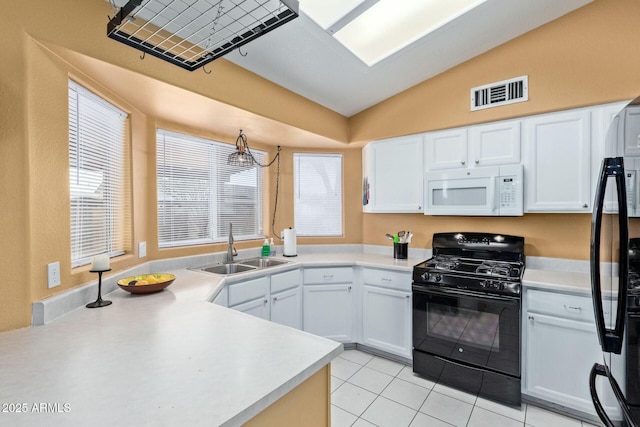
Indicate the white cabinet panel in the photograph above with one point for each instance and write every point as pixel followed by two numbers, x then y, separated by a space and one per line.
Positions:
pixel 557 162
pixel 328 311
pixel 286 308
pixel 631 131
pixel 248 290
pixel 386 320
pixel 328 275
pixel 494 144
pixel 258 307
pixel 560 354
pixel 393 171
pixel 446 149
pixel 287 280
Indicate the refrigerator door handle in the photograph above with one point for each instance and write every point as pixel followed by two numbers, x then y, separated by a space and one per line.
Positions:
pixel 603 370
pixel 610 339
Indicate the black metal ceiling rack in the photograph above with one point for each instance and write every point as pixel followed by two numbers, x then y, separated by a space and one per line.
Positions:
pixel 192 33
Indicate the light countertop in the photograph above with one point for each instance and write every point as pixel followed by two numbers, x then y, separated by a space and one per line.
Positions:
pixel 169 358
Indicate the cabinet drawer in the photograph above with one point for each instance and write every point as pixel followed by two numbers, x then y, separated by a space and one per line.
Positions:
pixel 328 275
pixel 561 305
pixel 287 280
pixel 387 279
pixel 248 290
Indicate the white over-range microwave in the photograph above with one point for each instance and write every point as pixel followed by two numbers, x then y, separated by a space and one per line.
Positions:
pixel 483 191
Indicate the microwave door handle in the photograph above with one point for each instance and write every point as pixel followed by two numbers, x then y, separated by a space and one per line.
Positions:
pixel 493 194
pixel 610 340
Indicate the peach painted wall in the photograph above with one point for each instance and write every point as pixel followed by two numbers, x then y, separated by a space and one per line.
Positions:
pixel 587 57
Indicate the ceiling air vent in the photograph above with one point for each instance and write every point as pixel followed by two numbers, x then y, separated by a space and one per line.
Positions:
pixel 500 93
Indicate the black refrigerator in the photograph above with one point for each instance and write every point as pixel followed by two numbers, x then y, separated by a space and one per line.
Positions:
pixel 615 267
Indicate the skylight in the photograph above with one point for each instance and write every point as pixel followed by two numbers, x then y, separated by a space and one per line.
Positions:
pixel 383 27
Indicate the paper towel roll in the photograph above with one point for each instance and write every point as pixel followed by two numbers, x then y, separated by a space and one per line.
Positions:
pixel 289 235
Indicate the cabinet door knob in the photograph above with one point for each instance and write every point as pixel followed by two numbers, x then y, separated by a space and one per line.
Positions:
pixel 407 296
pixel 275 299
pixel 419 208
pixel 530 317
pixel 477 162
pixel 585 206
pixel 349 288
pixel 265 301
pixel 463 162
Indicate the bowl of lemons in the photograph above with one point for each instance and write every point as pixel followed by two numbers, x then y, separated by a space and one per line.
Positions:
pixel 146 283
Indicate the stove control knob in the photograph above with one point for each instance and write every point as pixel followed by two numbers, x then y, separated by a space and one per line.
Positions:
pixel 483 284
pixel 426 277
pixel 438 277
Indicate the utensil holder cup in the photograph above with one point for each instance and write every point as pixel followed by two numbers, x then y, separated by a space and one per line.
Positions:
pixel 400 250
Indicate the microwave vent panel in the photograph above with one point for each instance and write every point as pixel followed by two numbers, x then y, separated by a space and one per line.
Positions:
pixel 500 93
pixel 192 33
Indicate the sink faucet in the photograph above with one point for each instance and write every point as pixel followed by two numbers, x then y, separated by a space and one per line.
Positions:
pixel 231 251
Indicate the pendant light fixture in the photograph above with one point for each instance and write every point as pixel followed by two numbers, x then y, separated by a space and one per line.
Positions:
pixel 243 157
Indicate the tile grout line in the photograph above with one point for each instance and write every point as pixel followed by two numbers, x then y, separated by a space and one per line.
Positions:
pixel 396 376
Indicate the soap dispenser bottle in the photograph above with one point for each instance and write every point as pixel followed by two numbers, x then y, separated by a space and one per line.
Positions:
pixel 272 248
pixel 266 250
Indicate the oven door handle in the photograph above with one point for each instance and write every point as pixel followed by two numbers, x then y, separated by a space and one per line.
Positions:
pixel 465 293
pixel 442 359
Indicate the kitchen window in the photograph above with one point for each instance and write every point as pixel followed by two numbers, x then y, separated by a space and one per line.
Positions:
pixel 317 201
pixel 98 178
pixel 199 194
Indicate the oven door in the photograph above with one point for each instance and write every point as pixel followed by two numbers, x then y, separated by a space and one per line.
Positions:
pixel 468 327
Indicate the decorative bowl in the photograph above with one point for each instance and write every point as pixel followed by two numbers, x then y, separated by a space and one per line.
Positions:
pixel 146 283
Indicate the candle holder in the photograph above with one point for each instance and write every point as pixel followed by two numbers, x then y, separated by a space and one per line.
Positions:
pixel 99 302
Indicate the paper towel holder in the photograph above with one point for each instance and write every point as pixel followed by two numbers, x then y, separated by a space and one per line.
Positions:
pixel 287 246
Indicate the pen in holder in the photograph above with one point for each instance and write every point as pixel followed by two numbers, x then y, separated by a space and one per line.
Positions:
pixel 99 302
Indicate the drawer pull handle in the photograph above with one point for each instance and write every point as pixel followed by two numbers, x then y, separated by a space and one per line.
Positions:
pixel 384 279
pixel 570 307
pixel 328 276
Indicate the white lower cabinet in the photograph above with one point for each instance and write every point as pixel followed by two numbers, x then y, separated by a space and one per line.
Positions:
pixel 257 307
pixel 386 319
pixel 561 347
pixel 286 308
pixel 277 298
pixel 328 311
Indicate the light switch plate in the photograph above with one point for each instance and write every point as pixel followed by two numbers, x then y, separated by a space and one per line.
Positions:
pixel 142 249
pixel 53 274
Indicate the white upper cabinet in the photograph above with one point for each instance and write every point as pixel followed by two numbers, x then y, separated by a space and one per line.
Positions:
pixel 631 129
pixel 393 175
pixel 481 145
pixel 557 162
pixel 494 144
pixel 446 149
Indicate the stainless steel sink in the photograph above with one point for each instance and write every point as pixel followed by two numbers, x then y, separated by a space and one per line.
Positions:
pixel 262 262
pixel 227 268
pixel 241 266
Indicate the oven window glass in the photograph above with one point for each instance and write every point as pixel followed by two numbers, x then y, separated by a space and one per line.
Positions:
pixel 468 196
pixel 463 326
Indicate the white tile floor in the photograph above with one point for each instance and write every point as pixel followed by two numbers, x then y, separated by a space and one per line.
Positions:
pixel 368 390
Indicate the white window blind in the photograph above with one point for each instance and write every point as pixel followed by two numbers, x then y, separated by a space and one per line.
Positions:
pixel 199 194
pixel 100 219
pixel 317 194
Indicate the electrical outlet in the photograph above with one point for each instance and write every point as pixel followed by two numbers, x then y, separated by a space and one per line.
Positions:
pixel 53 274
pixel 142 249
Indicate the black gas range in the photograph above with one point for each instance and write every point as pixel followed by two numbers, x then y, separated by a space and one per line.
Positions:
pixel 466 314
